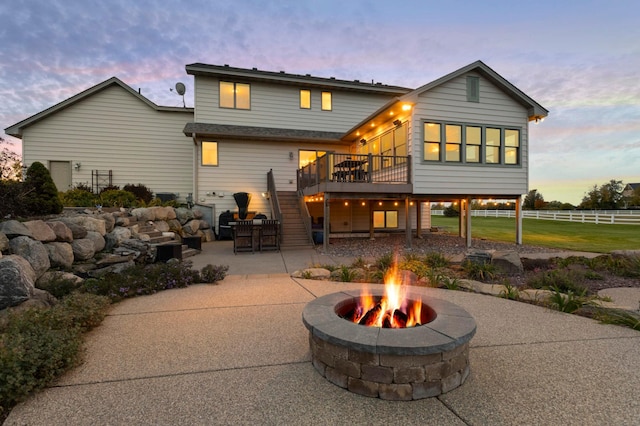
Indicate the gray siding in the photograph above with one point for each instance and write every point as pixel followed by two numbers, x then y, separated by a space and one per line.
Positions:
pixel 243 167
pixel 278 106
pixel 112 130
pixel 448 102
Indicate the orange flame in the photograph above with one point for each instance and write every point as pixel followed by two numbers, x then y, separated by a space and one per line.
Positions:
pixel 393 310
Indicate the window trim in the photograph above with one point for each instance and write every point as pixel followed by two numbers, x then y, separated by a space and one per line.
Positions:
pixel 306 91
pixel 322 100
pixel 483 147
pixel 217 159
pixel 473 88
pixel 235 95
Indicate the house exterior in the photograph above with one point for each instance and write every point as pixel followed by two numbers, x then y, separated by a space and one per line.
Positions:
pixel 363 158
pixel 110 134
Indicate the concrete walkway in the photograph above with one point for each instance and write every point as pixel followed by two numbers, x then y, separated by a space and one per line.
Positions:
pixel 237 353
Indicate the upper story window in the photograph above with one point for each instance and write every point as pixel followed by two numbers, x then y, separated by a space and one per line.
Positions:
pixel 473 89
pixel 468 144
pixel 305 99
pixel 326 101
pixel 235 95
pixel 209 153
pixel 453 140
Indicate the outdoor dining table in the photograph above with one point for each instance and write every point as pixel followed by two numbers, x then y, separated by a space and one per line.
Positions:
pixel 350 171
pixel 257 224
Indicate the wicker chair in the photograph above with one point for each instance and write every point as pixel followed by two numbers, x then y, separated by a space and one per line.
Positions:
pixel 270 235
pixel 243 236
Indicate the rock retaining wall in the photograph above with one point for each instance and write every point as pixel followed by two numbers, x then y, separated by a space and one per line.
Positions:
pixel 87 244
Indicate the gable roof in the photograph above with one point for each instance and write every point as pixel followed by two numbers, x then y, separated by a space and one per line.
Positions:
pixel 535 110
pixel 281 77
pixel 16 129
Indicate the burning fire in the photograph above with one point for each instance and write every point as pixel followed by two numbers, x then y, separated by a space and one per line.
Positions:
pixel 393 310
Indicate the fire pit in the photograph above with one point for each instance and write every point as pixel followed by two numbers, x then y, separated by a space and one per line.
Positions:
pixel 427 356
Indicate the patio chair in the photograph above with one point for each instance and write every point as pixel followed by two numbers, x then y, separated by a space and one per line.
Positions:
pixel 243 236
pixel 270 235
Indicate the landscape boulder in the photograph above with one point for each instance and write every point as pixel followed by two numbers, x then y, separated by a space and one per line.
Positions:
pixel 508 262
pixel 83 249
pixel 40 231
pixel 60 254
pixel 109 221
pixel 4 242
pixel 62 231
pixel 143 214
pixel 33 252
pixel 77 231
pixel 184 215
pixel 17 279
pixel 87 222
pixel 13 228
pixel 98 240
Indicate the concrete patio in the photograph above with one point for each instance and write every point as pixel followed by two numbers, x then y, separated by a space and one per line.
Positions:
pixel 238 353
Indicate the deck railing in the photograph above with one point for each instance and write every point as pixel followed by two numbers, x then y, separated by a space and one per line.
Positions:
pixel 355 168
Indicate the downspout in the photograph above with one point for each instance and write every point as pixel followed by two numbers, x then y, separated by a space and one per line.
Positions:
pixel 196 194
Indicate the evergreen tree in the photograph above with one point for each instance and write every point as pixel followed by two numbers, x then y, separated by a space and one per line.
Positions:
pixel 43 197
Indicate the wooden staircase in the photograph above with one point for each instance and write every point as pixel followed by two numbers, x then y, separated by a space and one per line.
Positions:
pixel 294 234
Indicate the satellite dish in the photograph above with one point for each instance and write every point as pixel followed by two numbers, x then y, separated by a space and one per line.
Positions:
pixel 180 88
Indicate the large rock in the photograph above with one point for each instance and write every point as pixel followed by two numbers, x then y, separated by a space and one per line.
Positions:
pixel 143 214
pixel 60 254
pixel 62 231
pixel 77 231
pixel 162 213
pixel 208 235
pixel 162 226
pixel 184 215
pixel 119 234
pixel 197 214
pixel 98 240
pixel 17 279
pixel 87 222
pixel 4 242
pixel 83 249
pixel 52 278
pixel 191 227
pixel 115 268
pixel 109 221
pixel 174 226
pixel 33 251
pixel 40 231
pixel 13 228
pixel 508 262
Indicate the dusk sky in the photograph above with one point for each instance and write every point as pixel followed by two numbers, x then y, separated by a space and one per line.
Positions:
pixel 579 59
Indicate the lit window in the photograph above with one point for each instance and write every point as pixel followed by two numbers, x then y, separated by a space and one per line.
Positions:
pixel 385 219
pixel 492 142
pixel 326 101
pixel 235 95
pixel 209 153
pixel 453 139
pixel 473 142
pixel 511 146
pixel 305 99
pixel 307 157
pixel 432 140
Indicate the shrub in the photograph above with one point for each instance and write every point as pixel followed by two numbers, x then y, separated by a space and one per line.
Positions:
pixel 58 286
pixel 36 345
pixel 347 274
pixel 479 271
pixel 416 266
pixel 211 273
pixel 13 196
pixel 436 260
pixel 564 280
pixel 149 279
pixel 43 197
pixel 140 191
pixel 567 301
pixel 384 262
pixel 451 211
pixel 116 198
pixel 78 198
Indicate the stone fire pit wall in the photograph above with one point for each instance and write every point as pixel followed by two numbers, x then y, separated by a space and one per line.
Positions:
pixel 391 364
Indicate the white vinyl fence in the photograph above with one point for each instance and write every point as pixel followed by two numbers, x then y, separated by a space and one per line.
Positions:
pixel 610 217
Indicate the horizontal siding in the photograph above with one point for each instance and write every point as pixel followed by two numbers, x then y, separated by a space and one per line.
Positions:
pixel 448 102
pixel 112 130
pixel 278 106
pixel 243 167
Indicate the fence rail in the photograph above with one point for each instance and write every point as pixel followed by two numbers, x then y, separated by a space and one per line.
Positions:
pixel 600 217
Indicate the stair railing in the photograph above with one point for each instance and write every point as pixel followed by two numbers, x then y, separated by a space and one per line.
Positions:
pixel 276 212
pixel 306 216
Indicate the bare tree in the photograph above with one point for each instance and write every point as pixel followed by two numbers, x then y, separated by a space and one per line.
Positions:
pixel 10 162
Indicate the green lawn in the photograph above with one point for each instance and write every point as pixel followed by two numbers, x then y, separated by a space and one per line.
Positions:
pixel 548 233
